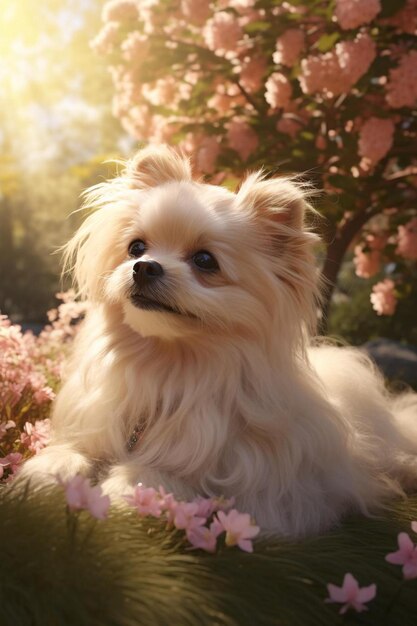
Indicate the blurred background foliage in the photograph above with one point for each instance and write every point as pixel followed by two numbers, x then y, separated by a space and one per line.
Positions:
pixel 57 131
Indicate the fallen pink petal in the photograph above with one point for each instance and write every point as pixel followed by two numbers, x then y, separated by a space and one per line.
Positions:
pixel 350 595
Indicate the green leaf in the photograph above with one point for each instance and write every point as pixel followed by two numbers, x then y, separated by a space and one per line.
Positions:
pixel 327 41
pixel 257 27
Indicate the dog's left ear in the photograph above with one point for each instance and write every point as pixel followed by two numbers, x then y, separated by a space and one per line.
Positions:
pixel 279 200
pixel 154 166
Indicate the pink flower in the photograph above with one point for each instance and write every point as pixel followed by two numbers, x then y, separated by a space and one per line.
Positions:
pixel 81 495
pixel 239 529
pixel 289 47
pixel 12 461
pixel 120 11
pixel 406 556
pixel 222 33
pixel 252 73
pixel 146 501
pixel 242 138
pixel 354 13
pixel 288 126
pixel 185 516
pixel 367 264
pixel 196 11
pixel 375 139
pixel 203 537
pixel 335 72
pixel 402 83
pixel 407 240
pixel 135 48
pixel 207 153
pixel 226 98
pixel 414 526
pixel 278 91
pixel 36 436
pixel 351 595
pixel 383 298
pixel 106 39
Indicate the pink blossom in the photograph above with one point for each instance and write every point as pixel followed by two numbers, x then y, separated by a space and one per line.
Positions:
pixel 5 426
pixel 289 47
pixel 185 516
pixel 367 264
pixel 207 154
pixel 226 98
pixel 120 11
pixel 335 72
pixel 375 139
pixel 278 91
pixel 402 83
pixel 196 11
pixel 354 13
pixel 203 537
pixel 414 526
pixel 242 138
pixel 162 92
pixel 12 461
pixel 36 436
pixel 252 72
pixel 288 126
pixel 135 47
pixel 383 298
pixel 106 39
pixel 146 500
pixel 407 240
pixel 406 555
pixel 239 529
pixel 222 33
pixel 351 595
pixel 81 495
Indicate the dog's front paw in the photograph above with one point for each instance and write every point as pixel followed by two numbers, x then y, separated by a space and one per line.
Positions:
pixel 56 461
pixel 117 484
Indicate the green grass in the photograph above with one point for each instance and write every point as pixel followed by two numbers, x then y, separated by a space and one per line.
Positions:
pixel 57 570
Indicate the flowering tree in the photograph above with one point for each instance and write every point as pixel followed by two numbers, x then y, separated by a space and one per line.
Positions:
pixel 326 87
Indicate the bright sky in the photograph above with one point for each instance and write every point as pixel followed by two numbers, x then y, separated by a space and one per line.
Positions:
pixel 39 100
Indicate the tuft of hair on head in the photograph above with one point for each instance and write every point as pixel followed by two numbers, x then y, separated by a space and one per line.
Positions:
pixel 282 199
pixel 156 165
pixel 279 205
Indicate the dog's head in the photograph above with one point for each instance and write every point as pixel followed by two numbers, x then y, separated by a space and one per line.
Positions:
pixel 180 258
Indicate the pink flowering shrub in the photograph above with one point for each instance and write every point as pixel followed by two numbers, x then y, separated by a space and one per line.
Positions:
pixel 239 84
pixel 30 371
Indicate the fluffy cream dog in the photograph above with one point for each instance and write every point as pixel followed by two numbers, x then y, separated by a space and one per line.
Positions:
pixel 197 345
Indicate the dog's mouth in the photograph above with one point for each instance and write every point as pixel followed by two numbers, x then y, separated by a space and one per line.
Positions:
pixel 150 304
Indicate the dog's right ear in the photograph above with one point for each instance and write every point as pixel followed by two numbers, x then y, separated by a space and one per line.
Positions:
pixel 154 166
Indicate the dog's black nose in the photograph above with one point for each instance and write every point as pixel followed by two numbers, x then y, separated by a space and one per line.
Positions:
pixel 146 271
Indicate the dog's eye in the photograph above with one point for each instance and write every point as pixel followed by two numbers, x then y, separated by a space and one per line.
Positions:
pixel 137 248
pixel 205 261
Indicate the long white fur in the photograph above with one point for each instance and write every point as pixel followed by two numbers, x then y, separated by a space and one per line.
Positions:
pixel 235 401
